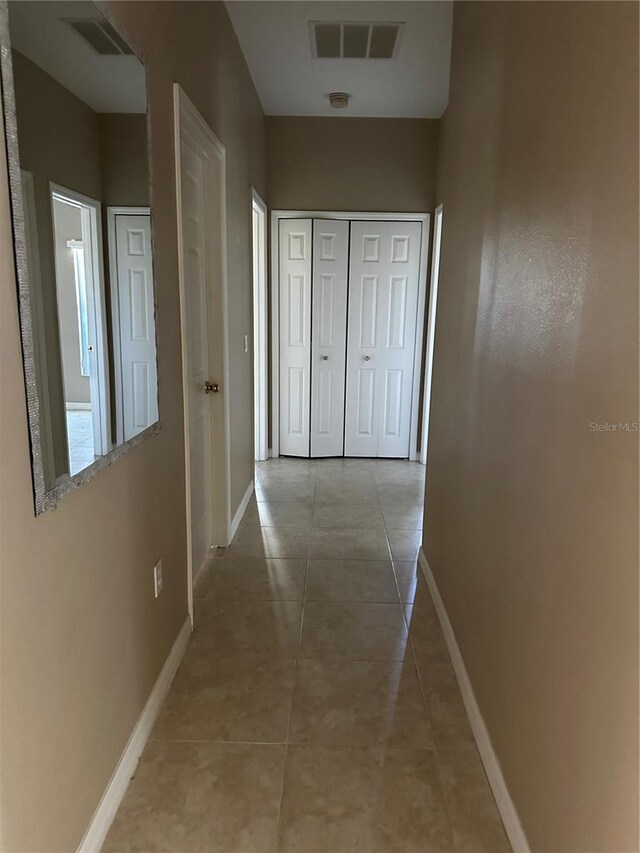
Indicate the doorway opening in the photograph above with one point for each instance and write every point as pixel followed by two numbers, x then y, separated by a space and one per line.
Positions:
pixel 348 300
pixel 82 325
pixel 260 326
pixel 431 332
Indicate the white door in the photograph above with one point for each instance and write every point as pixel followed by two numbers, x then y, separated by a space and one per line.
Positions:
pixel 295 335
pixel 328 335
pixel 134 276
pixel 197 310
pixel 383 303
pixel 201 208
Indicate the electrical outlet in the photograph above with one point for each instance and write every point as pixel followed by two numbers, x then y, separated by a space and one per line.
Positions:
pixel 157 578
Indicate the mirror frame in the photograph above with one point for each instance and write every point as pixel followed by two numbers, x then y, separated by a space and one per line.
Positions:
pixel 45 500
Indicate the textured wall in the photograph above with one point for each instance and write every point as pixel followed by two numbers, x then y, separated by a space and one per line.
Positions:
pixel 82 638
pixel 532 517
pixel 123 159
pixel 351 163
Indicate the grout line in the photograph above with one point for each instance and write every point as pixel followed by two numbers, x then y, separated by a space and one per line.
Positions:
pixel 294 690
pixel 218 741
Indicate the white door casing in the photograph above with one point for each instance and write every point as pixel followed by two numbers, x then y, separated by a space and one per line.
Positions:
pixel 328 335
pixel 133 276
pixel 93 329
pixel 201 203
pixel 431 332
pixel 260 326
pixel 383 315
pixel 295 336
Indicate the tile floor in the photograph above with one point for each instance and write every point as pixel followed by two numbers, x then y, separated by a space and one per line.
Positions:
pixel 316 709
pixel 80 439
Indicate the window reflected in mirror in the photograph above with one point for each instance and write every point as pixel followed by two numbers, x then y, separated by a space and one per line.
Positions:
pixel 83 236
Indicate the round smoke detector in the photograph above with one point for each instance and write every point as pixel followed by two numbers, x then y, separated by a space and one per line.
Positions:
pixel 339 100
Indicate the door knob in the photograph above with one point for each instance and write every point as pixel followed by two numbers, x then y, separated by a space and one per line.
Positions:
pixel 324 357
pixel 367 358
pixel 211 387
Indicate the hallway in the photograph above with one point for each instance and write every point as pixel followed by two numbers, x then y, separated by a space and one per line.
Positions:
pixel 316 708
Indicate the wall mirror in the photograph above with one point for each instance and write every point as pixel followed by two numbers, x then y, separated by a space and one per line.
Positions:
pixel 74 101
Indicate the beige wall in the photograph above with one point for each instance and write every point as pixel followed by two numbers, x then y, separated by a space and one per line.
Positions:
pixel 341 163
pixel 82 639
pixel 531 517
pixel 123 159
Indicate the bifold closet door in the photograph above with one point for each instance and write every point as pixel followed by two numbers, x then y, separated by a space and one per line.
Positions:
pixel 328 335
pixel 295 335
pixel 383 304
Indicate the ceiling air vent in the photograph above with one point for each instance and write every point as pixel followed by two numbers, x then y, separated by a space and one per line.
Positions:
pixel 102 37
pixel 354 39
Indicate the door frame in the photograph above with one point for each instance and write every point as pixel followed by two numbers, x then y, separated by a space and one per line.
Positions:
pixel 431 330
pixel 260 331
pixel 188 119
pixel 91 213
pixel 276 216
pixel 114 292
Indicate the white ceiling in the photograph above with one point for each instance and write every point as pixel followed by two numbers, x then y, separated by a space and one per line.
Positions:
pixel 275 40
pixel 108 84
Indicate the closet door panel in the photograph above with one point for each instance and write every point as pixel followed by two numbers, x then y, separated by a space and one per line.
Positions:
pixel 384 270
pixel 361 411
pixel 397 320
pixel 295 335
pixel 329 330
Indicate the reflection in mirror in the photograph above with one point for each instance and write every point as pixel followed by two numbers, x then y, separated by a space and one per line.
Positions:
pixel 82 227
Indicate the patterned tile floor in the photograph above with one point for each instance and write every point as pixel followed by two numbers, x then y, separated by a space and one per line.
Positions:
pixel 316 710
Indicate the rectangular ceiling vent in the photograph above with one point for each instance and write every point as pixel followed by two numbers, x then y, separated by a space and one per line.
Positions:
pixel 101 36
pixel 354 40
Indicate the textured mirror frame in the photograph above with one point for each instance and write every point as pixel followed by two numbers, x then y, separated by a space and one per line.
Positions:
pixel 48 499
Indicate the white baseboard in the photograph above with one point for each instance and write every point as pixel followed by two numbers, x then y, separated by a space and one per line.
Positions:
pixel 505 804
pixel 116 789
pixel 244 503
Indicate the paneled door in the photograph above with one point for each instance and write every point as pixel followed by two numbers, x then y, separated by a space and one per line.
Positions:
pixel 383 300
pixel 134 276
pixel 202 237
pixel 194 254
pixel 295 336
pixel 328 335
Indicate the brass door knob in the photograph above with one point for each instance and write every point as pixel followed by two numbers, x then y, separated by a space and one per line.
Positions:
pixel 211 387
